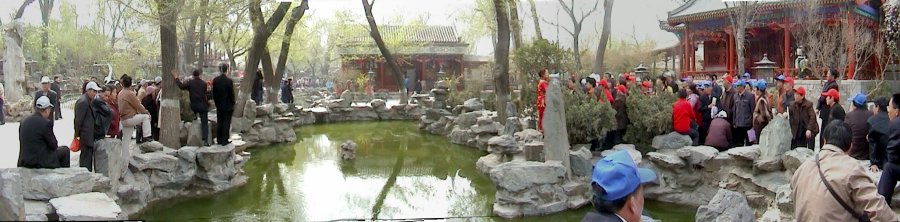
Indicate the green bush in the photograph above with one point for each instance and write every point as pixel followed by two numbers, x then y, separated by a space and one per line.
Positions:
pixel 587 119
pixel 650 115
pixel 528 61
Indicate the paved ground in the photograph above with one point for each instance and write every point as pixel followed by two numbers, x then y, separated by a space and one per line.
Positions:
pixel 9 137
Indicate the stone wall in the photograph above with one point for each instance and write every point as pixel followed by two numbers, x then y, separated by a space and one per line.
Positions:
pixel 847 89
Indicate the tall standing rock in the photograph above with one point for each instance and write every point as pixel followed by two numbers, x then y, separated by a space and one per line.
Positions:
pixel 775 138
pixel 556 139
pixel 14 60
pixel 12 203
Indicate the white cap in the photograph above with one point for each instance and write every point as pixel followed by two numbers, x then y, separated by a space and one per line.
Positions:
pixel 92 86
pixel 45 80
pixel 722 114
pixel 43 103
pixel 158 79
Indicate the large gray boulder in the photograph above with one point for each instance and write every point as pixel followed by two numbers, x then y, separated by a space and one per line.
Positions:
pixel 348 150
pixel 581 162
pixel 750 153
pixel 168 184
pixel 504 145
pixel 45 184
pixel 473 104
pixel 529 135
pixel 697 155
pixel 346 99
pixel 281 108
pixel 726 206
pixel 109 160
pixel 519 175
pixel 460 136
pixel 86 207
pixel 154 161
pixel 487 163
pixel 39 211
pixel 775 138
pixel 467 120
pixel 216 167
pixel 264 110
pixel 671 141
pixel 12 205
pixel 151 147
pixel 512 126
pixel 792 159
pixel 665 160
pixel 556 136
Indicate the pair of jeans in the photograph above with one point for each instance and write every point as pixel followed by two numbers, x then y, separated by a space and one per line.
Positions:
pixel 223 129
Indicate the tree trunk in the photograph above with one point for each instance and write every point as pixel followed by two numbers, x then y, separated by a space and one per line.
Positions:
pixel 501 60
pixel 537 23
pixel 296 14
pixel 261 33
pixel 576 47
pixel 231 59
pixel 739 34
pixel 515 25
pixel 389 59
pixel 170 109
pixel 46 8
pixel 204 19
pixel 604 37
pixel 271 79
pixel 188 44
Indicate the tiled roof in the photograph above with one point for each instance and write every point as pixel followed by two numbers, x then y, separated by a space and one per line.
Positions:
pixel 706 9
pixel 412 34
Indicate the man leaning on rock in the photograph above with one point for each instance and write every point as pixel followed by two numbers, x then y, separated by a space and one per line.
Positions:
pixel 617 187
pixel 37 143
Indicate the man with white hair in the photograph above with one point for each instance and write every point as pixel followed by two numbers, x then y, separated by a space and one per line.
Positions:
pixel 45 91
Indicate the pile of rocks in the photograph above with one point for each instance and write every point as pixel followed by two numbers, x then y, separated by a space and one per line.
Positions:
pixel 56 194
pixel 16 111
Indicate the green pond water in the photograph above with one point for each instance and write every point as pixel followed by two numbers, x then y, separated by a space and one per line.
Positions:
pixel 399 173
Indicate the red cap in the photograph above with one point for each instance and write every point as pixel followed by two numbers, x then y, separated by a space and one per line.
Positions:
pixel 630 78
pixel 621 88
pixel 833 93
pixel 604 83
pixel 646 84
pixel 728 78
pixel 789 80
pixel 801 91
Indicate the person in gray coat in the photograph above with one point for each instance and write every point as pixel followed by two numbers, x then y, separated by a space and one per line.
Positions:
pixel 85 125
pixel 744 102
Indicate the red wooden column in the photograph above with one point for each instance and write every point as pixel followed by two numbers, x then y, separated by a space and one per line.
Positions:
pixel 851 56
pixel 786 29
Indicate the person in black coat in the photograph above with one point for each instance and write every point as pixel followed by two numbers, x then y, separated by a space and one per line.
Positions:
pixel 196 88
pixel 50 94
pixel 85 125
pixel 878 133
pixel 704 109
pixel 55 87
pixel 890 174
pixel 257 93
pixel 223 95
pixel 37 142
pixel 103 115
pixel 821 106
pixel 287 94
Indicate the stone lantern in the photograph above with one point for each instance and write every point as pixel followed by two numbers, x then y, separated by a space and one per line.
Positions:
pixel 765 69
pixel 641 71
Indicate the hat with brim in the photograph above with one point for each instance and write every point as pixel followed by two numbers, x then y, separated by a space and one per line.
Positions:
pixel 801 91
pixel 618 175
pixel 43 102
pixel 45 80
pixel 833 93
pixel 858 99
pixel 93 86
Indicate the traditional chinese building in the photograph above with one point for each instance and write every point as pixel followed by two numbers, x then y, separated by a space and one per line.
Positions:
pixel 426 54
pixel 706 40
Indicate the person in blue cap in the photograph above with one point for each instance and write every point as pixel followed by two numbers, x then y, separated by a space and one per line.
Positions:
pixel 762 113
pixel 746 76
pixel 617 187
pixel 857 119
pixel 743 104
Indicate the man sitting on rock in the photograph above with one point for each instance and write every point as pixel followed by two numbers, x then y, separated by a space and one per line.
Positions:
pixel 832 186
pixel 617 186
pixel 37 143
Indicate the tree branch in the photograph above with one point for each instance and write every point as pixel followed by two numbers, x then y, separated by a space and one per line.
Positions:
pixel 559 26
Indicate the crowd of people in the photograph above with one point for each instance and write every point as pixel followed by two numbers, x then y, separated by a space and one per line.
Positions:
pixel 114 109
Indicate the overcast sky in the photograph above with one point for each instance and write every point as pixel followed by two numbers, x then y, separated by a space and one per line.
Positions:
pixel 639 17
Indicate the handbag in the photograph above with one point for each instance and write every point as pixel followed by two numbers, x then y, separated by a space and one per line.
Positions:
pixel 862 217
pixel 75 146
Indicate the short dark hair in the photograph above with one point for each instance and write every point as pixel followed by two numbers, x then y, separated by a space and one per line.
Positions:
pixel 126 80
pixel 607 206
pixel 882 103
pixel 55 77
pixel 837 133
pixel 591 81
pixel 896 100
pixel 196 72
pixel 682 93
pixel 223 67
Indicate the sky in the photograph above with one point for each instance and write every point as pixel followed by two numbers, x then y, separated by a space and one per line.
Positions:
pixel 630 18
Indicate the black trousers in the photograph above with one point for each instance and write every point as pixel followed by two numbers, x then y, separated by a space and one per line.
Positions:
pixel 204 125
pixel 2 113
pixel 739 136
pixel 86 159
pixel 704 130
pixel 61 154
pixel 889 176
pixel 223 130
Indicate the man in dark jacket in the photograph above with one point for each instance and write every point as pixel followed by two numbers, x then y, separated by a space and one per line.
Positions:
pixel 46 91
pixel 704 108
pixel 223 95
pixel 257 93
pixel 803 120
pixel 617 187
pixel 836 111
pixel 287 91
pixel 55 87
pixel 196 88
pixel 726 101
pixel 879 129
pixel 891 172
pixel 822 107
pixel 103 115
pixel 859 146
pixel 85 125
pixel 744 103
pixel 37 142
pixel 622 120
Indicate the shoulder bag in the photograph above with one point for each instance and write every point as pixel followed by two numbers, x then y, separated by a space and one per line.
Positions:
pixel 862 217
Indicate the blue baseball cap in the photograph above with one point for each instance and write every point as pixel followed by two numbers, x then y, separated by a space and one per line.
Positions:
pixel 858 99
pixel 739 82
pixel 780 77
pixel 746 75
pixel 618 175
pixel 761 84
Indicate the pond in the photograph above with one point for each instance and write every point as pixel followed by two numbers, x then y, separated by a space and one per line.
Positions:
pixel 399 173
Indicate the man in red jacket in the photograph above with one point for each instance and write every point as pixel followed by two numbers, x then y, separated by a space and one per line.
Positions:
pixel 682 113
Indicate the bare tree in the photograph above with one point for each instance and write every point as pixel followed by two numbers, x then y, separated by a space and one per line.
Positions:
pixel 296 14
pixel 515 24
pixel 388 57
pixel 577 23
pixel 604 37
pixel 537 22
pixel 261 33
pixel 501 60
pixel 820 40
pixel 865 46
pixel 741 14
pixel 170 109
